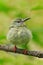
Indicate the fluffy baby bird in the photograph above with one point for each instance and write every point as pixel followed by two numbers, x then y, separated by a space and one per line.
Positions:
pixel 19 35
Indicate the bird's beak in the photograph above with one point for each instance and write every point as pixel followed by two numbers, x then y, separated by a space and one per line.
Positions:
pixel 26 19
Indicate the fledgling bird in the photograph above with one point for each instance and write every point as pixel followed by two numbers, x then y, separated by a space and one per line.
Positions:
pixel 18 34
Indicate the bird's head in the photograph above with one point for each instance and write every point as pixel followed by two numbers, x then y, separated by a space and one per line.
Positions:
pixel 19 22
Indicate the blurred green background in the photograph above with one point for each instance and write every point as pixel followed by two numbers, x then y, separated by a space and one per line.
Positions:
pixel 11 9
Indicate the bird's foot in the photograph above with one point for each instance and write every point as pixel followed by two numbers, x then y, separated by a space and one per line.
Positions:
pixel 24 51
pixel 15 48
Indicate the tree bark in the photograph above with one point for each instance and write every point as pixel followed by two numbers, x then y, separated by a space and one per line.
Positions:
pixel 38 54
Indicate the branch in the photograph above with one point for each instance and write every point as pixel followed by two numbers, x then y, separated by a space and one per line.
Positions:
pixel 20 51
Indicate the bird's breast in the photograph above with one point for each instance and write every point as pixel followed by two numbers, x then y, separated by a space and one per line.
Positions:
pixel 19 35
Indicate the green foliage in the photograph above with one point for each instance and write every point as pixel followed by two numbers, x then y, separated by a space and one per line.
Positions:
pixel 37 8
pixel 2 37
pixel 37 38
pixel 21 15
pixel 4 8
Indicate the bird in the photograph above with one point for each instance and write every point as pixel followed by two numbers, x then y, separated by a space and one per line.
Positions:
pixel 19 35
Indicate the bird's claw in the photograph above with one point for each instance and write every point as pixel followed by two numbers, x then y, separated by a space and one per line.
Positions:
pixel 15 48
pixel 24 51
